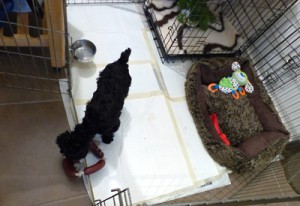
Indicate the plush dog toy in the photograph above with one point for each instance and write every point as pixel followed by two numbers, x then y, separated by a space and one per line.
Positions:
pixel 234 84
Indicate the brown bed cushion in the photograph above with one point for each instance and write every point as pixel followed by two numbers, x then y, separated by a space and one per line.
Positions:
pixel 261 139
pixel 237 118
pixel 257 143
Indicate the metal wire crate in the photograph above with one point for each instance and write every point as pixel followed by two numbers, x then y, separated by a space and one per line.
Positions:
pixel 238 24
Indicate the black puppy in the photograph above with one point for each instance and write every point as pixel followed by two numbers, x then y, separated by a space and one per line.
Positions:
pixel 102 111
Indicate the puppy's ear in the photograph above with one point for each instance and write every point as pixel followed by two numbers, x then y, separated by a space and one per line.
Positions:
pixel 62 138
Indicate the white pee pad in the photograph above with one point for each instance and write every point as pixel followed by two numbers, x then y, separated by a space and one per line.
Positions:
pixel 157 152
pixel 193 145
pixel 144 156
pixel 104 18
pixel 84 81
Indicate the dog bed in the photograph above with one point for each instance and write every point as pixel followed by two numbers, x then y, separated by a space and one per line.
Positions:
pixel 251 123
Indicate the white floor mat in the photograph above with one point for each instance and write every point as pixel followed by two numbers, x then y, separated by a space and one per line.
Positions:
pixel 157 152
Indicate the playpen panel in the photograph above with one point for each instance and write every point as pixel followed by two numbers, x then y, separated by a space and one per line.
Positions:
pixel 53 32
pixel 32 44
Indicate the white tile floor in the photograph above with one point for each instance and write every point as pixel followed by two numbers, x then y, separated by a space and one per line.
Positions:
pixel 157 152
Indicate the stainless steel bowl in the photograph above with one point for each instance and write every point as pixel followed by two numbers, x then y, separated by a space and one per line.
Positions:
pixel 83 50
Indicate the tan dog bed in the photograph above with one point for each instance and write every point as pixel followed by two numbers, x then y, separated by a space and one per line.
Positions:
pixel 251 123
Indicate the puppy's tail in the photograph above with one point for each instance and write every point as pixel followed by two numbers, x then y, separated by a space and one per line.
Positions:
pixel 125 56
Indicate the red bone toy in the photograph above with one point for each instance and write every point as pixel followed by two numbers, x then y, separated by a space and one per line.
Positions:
pixel 215 121
pixel 70 167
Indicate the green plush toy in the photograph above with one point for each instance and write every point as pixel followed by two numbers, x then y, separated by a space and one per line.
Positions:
pixel 234 84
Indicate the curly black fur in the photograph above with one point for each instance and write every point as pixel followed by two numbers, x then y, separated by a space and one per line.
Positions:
pixel 102 111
